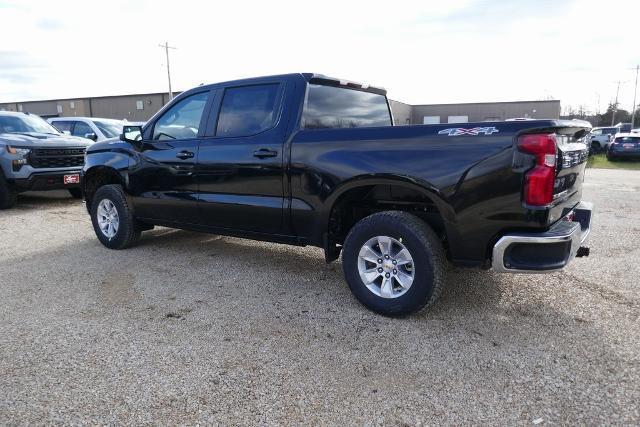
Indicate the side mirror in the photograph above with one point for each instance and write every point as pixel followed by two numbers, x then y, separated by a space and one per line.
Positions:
pixel 91 135
pixel 131 134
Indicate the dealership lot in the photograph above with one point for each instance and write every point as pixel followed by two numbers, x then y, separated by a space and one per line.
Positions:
pixel 188 328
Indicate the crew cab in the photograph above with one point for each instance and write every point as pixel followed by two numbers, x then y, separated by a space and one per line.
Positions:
pixel 306 159
pixel 35 156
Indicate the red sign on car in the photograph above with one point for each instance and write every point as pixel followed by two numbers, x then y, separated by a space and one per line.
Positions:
pixel 72 179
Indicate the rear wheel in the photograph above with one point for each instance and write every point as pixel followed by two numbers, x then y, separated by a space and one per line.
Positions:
pixel 595 147
pixel 8 196
pixel 112 219
pixel 76 193
pixel 394 263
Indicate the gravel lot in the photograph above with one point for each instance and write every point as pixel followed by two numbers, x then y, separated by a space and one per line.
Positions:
pixel 192 328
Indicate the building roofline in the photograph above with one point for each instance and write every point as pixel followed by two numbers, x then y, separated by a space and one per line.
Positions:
pixel 81 98
pixel 485 103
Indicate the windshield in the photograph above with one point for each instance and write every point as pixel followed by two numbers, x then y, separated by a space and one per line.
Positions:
pixel 110 128
pixel 25 124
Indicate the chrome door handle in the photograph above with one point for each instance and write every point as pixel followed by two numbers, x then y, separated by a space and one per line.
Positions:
pixel 185 155
pixel 263 152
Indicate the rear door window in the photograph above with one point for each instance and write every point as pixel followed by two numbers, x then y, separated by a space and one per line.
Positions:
pixel 248 110
pixel 62 126
pixel 81 129
pixel 335 107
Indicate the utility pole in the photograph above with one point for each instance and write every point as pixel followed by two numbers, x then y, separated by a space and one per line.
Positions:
pixel 615 104
pixel 166 51
pixel 635 91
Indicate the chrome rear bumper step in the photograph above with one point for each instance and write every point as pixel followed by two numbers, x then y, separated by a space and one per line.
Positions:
pixel 545 252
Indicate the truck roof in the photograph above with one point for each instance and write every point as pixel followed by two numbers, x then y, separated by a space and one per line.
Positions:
pixel 308 77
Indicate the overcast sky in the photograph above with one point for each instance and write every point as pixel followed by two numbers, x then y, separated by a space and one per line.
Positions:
pixel 421 51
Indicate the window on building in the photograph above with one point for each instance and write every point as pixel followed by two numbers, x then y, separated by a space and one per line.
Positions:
pixel 59 108
pixel 72 105
pixel 247 110
pixel 139 105
pixel 431 120
pixel 19 107
pixel 457 119
pixel 182 120
pixel 336 107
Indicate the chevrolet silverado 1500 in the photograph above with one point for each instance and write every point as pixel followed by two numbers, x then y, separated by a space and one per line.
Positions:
pixel 305 159
pixel 35 156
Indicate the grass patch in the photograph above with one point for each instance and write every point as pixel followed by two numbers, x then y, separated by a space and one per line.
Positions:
pixel 600 161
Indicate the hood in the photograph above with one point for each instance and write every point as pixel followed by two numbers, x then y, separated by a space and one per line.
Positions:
pixel 42 140
pixel 109 144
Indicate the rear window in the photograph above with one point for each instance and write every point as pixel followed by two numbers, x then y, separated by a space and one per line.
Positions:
pixel 334 107
pixel 628 139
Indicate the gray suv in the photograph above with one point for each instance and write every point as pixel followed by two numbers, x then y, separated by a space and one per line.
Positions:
pixel 35 156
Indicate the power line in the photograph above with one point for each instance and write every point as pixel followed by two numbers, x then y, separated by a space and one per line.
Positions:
pixel 635 91
pixel 166 51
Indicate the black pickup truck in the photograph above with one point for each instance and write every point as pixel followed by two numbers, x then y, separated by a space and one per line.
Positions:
pixel 305 159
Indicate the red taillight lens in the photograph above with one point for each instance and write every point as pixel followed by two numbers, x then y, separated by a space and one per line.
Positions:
pixel 538 187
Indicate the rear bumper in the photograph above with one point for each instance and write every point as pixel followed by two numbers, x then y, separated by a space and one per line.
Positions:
pixel 544 252
pixel 43 181
pixel 631 154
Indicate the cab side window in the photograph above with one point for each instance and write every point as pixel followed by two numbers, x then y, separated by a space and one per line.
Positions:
pixel 62 126
pixel 182 120
pixel 81 129
pixel 247 110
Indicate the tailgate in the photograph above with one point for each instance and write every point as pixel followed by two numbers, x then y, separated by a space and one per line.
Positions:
pixel 573 153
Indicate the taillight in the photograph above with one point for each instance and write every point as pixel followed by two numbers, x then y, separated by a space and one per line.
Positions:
pixel 538 181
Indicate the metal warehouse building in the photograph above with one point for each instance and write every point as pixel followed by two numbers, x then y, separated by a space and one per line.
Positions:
pixel 140 107
pixel 473 112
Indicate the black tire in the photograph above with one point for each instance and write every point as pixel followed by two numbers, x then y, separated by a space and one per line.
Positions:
pixel 595 148
pixel 8 196
pixel 610 158
pixel 128 232
pixel 425 248
pixel 76 193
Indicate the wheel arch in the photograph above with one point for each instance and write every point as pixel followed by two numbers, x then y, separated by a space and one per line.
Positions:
pixel 96 177
pixel 406 194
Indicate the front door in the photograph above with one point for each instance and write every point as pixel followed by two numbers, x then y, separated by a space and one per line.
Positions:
pixel 240 167
pixel 163 180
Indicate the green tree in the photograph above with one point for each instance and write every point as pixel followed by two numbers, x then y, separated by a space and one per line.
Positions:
pixel 622 116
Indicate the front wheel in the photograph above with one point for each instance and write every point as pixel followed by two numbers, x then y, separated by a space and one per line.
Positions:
pixel 394 263
pixel 112 218
pixel 8 196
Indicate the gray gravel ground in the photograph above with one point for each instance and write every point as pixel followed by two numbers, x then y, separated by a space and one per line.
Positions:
pixel 192 328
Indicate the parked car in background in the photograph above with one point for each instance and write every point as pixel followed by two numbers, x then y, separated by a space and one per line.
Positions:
pixel 128 123
pixel 35 156
pixel 93 128
pixel 601 137
pixel 625 145
pixel 623 127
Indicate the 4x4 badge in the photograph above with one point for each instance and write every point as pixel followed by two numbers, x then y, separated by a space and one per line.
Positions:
pixel 469 131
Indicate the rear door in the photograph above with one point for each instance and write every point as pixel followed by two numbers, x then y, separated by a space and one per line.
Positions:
pixel 240 165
